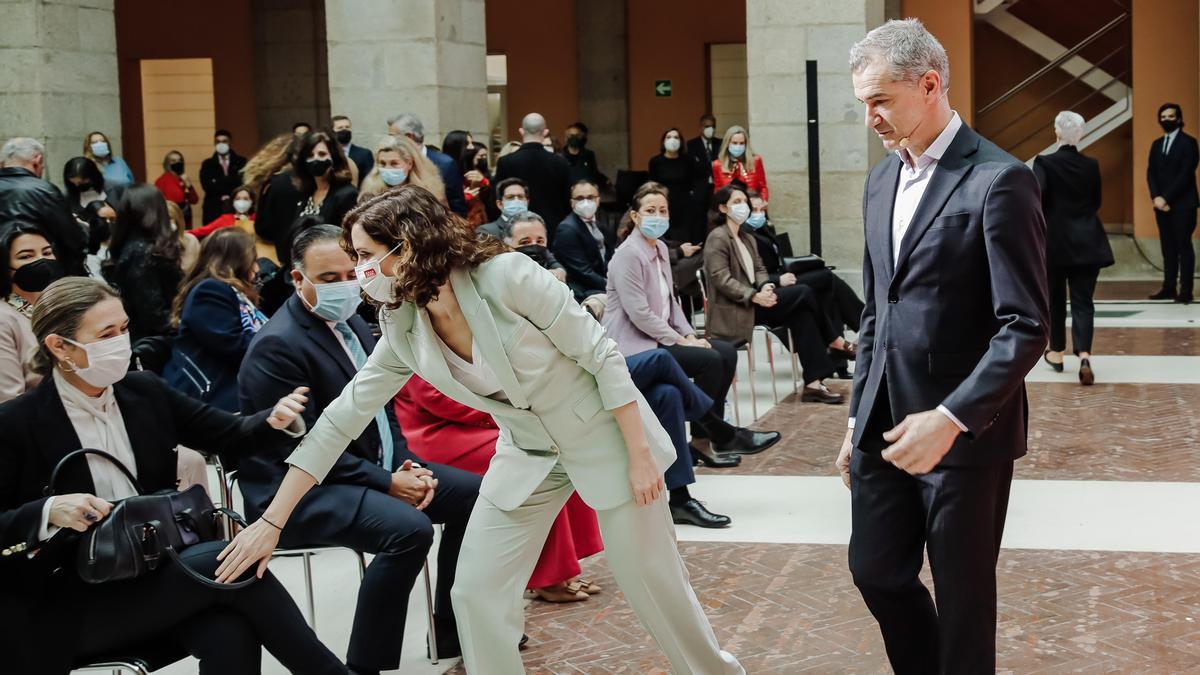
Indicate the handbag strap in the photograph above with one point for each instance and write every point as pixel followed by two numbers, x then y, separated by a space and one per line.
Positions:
pixel 200 578
pixel 52 485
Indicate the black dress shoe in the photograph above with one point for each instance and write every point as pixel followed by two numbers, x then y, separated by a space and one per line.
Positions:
pixel 1086 377
pixel 747 442
pixel 822 395
pixel 715 461
pixel 521 644
pixel 1184 298
pixel 843 374
pixel 1163 294
pixel 1058 367
pixel 848 352
pixel 692 512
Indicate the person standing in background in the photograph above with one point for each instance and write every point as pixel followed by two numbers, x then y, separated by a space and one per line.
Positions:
pixel 361 156
pixel 673 169
pixel 117 173
pixel 737 162
pixel 1171 175
pixel 702 150
pixel 176 186
pixel 1076 244
pixel 220 175
pixel 546 174
pixel 581 160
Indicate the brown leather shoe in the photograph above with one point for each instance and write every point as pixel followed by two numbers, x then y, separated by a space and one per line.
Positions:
pixel 1086 377
pixel 820 395
pixel 848 351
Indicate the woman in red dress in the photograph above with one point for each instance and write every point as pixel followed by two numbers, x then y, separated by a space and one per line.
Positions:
pixel 737 162
pixel 440 429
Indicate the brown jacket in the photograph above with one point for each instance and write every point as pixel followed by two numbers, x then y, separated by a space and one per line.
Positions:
pixel 730 314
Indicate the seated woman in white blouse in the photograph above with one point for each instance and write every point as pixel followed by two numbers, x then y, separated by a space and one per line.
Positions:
pixel 52 622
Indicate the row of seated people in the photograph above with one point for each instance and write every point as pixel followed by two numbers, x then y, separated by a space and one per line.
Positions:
pixel 750 282
pixel 383 497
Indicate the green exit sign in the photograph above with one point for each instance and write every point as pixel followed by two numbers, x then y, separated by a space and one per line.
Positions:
pixel 662 88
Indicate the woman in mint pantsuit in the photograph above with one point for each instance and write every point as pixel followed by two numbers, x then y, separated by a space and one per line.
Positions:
pixel 496 332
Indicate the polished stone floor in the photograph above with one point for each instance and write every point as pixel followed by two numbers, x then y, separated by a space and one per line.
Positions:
pixel 1100 571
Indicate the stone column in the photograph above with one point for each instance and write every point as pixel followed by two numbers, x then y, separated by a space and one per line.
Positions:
pixel 603 81
pixel 290 66
pixel 428 58
pixel 59 77
pixel 780 36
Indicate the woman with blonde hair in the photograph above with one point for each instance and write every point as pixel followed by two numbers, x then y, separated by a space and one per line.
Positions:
pixel 398 161
pixel 737 162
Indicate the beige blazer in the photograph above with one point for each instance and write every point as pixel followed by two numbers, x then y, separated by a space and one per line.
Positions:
pixel 560 371
pixel 17 346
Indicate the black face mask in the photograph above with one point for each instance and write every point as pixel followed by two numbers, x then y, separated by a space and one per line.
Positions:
pixel 37 275
pixel 1169 125
pixel 539 254
pixel 176 167
pixel 318 167
pixel 343 137
pixel 83 187
pixel 482 165
pixel 577 141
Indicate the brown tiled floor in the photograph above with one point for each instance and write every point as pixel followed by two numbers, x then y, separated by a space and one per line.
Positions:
pixel 1144 432
pixel 1146 341
pixel 793 609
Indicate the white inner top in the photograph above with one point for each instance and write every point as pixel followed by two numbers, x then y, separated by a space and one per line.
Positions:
pixel 475 374
pixel 747 261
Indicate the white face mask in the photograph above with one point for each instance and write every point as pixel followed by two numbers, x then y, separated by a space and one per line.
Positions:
pixel 108 360
pixel 738 213
pixel 709 131
pixel 372 280
pixel 222 148
pixel 242 205
pixel 671 144
pixel 586 208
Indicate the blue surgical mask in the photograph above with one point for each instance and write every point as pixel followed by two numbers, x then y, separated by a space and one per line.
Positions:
pixel 100 149
pixel 393 177
pixel 654 227
pixel 756 220
pixel 512 207
pixel 337 301
pixel 737 150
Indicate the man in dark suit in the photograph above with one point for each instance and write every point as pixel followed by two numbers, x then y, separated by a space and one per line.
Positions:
pixel 1172 177
pixel 317 339
pixel 362 157
pixel 220 175
pixel 407 124
pixel 512 199
pixel 545 173
pixel 955 317
pixel 703 150
pixel 580 160
pixel 582 245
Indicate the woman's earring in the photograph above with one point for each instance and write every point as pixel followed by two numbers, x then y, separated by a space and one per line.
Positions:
pixel 62 365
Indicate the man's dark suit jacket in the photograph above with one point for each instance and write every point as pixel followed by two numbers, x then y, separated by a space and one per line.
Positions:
pixel 218 185
pixel 961 318
pixel 363 159
pixel 1070 184
pixel 547 175
pixel 576 249
pixel 452 179
pixel 296 348
pixel 1173 177
pixel 702 152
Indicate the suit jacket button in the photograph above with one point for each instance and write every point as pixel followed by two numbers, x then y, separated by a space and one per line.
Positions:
pixel 893 299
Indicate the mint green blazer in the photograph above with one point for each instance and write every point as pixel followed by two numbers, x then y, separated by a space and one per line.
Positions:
pixel 561 373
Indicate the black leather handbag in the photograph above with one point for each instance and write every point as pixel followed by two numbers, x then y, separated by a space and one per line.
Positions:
pixel 804 263
pixel 142 532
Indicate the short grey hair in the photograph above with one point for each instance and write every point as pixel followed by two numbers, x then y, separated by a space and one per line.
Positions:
pixel 525 217
pixel 409 123
pixel 21 149
pixel 313 235
pixel 1068 126
pixel 533 123
pixel 906 47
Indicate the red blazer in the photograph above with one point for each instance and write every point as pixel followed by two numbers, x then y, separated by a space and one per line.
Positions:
pixel 755 179
pixel 172 188
pixel 440 429
pixel 223 221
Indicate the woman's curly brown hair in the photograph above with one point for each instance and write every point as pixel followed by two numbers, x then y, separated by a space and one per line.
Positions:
pixel 433 240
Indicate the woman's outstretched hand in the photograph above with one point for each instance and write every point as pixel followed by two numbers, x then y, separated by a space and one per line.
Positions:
pixel 255 544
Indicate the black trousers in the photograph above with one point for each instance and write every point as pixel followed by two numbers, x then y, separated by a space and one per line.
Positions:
pixel 225 629
pixel 1175 230
pixel 957 515
pixel 711 370
pixel 1082 284
pixel 799 311
pixel 400 537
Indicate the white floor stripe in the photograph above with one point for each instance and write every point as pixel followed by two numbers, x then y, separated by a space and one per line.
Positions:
pixel 1043 514
pixel 1125 369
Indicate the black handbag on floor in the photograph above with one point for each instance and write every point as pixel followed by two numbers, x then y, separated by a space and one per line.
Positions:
pixel 142 532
